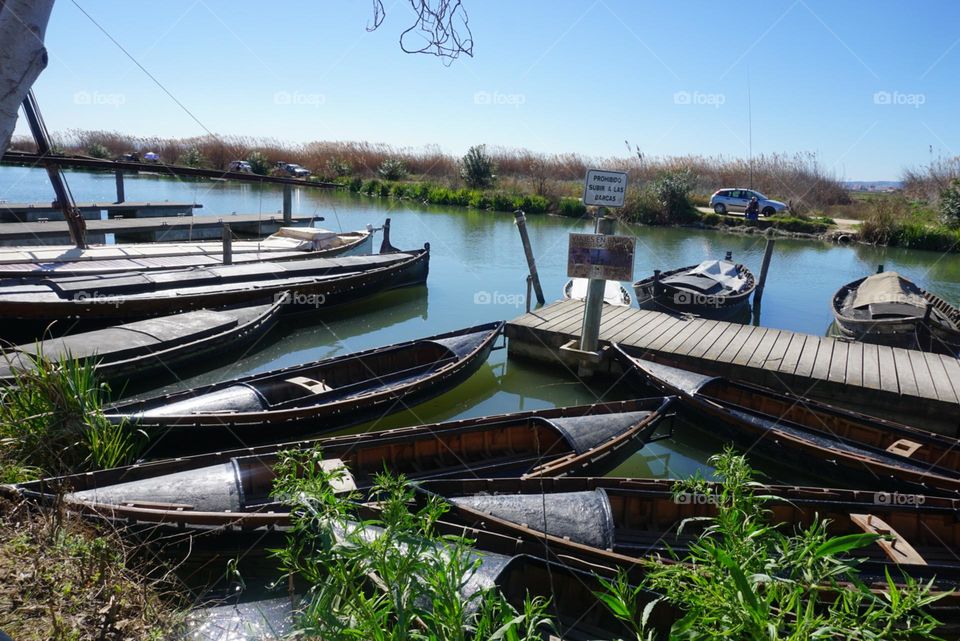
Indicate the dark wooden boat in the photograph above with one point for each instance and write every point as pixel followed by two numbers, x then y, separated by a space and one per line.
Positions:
pixel 315 285
pixel 712 288
pixel 152 348
pixel 230 490
pixel 811 436
pixel 314 397
pixel 617 522
pixel 888 309
pixel 290 243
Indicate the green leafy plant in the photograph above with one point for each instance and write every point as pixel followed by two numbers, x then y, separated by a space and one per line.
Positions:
pixel 192 157
pixel 97 150
pixel 389 578
pixel 744 577
pixel 477 168
pixel 259 163
pixel 950 204
pixel 392 169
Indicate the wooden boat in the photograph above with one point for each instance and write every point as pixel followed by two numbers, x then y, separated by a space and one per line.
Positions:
pixel 812 436
pixel 712 288
pixel 289 243
pixel 230 490
pixel 888 309
pixel 617 522
pixel 314 397
pixel 152 348
pixel 315 284
pixel 613 292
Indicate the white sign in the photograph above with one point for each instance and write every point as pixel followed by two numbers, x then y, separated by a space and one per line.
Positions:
pixel 605 188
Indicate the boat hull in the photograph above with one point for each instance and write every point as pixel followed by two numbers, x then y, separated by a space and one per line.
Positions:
pixel 656 295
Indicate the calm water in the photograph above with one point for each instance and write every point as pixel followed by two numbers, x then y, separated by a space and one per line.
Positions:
pixel 477 274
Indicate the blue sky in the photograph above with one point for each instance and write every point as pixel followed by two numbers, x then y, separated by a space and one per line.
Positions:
pixel 869 87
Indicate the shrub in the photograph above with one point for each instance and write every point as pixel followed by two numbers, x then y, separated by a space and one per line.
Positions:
pixel 672 190
pixel 477 168
pixel 571 207
pixel 97 150
pixel 392 169
pixel 383 190
pixel 192 157
pixel 642 206
pixel 355 184
pixel 399 190
pixel 420 191
pixel 500 201
pixel 883 218
pixel 950 204
pixel 480 200
pixel 339 167
pixel 259 163
pixel 371 187
pixel 531 204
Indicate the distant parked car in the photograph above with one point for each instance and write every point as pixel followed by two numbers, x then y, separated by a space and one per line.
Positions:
pixel 151 156
pixel 292 169
pixel 241 166
pixel 131 157
pixel 726 200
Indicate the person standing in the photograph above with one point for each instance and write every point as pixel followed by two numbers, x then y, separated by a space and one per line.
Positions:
pixel 753 209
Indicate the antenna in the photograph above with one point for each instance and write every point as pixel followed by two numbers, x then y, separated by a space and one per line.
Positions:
pixel 750 125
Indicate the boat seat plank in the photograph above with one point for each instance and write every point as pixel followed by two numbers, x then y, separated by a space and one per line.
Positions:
pixel 898 550
pixel 904 447
pixel 750 345
pixel 311 385
pixel 788 365
pixel 762 353
pixel 871 366
pixel 941 381
pixel 921 373
pixel 889 379
pixel 838 363
pixel 855 364
pixel 908 383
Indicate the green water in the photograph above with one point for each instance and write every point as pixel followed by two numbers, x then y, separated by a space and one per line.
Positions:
pixel 477 274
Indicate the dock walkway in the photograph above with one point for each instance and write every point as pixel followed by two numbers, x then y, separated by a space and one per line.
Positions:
pixel 913 386
pixel 43 212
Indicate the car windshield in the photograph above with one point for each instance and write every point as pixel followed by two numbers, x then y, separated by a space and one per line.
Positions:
pixel 759 195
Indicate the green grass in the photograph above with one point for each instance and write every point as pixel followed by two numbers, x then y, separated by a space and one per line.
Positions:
pixel 816 225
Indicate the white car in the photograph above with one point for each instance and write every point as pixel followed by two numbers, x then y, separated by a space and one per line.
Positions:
pixel 726 200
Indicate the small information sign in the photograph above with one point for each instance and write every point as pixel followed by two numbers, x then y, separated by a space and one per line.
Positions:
pixel 601 257
pixel 604 188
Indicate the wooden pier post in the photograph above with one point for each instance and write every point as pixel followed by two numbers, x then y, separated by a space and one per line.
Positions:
pixel 528 251
pixel 287 204
pixel 227 238
pixel 593 309
pixel 767 254
pixel 121 197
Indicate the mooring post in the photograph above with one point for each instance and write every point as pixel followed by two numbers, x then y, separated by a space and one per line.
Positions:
pixel 531 263
pixel 120 195
pixel 287 204
pixel 227 244
pixel 767 254
pixel 593 307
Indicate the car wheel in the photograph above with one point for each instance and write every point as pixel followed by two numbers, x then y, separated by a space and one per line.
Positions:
pixel 720 208
pixel 768 211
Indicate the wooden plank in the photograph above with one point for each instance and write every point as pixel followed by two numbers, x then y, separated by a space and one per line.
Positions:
pixel 808 356
pixel 763 350
pixel 952 367
pixel 722 341
pixel 838 364
pixel 638 334
pixel 694 327
pixel 871 366
pixel 940 380
pixel 898 549
pixel 569 323
pixel 921 374
pixel 889 381
pixel 616 323
pixel 685 326
pixel 821 365
pixel 908 383
pixel 544 315
pixel 709 340
pixel 750 345
pixel 694 339
pixel 736 342
pixel 779 349
pixel 792 356
pixel 623 332
pixel 612 314
pixel 650 337
pixel 855 364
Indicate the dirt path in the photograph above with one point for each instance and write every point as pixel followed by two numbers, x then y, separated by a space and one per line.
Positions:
pixel 842 224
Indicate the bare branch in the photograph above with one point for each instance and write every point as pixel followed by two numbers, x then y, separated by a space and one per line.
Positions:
pixel 441 28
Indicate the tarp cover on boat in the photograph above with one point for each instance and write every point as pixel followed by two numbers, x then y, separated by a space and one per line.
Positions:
pixel 722 271
pixel 887 287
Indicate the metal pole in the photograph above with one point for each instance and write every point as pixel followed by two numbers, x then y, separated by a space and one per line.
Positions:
pixel 767 254
pixel 287 205
pixel 227 244
pixel 593 308
pixel 531 263
pixel 120 195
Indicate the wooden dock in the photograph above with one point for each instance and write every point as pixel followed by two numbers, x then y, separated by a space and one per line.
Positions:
pixel 915 387
pixel 172 228
pixel 42 212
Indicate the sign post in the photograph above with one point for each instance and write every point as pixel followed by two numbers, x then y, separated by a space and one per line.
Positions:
pixel 599 257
